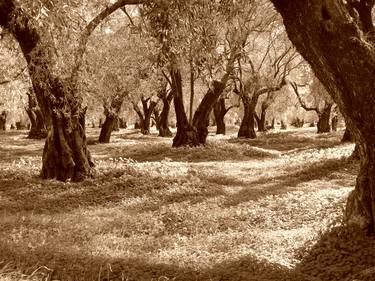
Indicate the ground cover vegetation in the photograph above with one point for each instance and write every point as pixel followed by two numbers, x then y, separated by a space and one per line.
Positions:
pixel 107 173
pixel 264 209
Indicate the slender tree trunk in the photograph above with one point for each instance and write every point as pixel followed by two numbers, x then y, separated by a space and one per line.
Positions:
pixel 38 129
pixel 191 90
pixel 65 154
pixel 3 120
pixel 326 36
pixel 164 130
pixel 219 112
pixel 247 128
pixel 324 119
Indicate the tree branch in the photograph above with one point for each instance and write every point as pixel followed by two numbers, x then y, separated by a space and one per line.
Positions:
pixel 90 28
pixel 301 102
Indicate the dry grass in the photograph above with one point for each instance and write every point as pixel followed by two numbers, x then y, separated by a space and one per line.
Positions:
pixel 267 209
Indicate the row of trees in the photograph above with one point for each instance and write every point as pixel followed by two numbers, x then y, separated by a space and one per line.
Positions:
pixel 240 45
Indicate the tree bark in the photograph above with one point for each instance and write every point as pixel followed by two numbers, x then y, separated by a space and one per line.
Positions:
pixel 65 154
pixel 186 133
pixel 344 61
pixel 38 129
pixel 112 109
pixel 164 130
pixel 247 127
pixel 261 121
pixel 202 114
pixel 324 119
pixel 219 112
pixel 347 137
pixel 145 116
pixel 3 120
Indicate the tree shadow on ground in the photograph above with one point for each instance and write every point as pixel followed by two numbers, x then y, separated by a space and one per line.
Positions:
pixel 332 169
pixel 52 197
pixel 290 141
pixel 341 254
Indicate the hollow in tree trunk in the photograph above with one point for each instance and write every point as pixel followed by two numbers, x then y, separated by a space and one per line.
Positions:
pixel 38 129
pixel 112 109
pixel 324 119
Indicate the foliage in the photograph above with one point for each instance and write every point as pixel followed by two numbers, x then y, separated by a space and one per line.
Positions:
pixel 174 214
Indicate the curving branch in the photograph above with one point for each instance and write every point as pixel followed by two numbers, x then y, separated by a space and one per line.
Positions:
pixel 91 27
pixel 301 102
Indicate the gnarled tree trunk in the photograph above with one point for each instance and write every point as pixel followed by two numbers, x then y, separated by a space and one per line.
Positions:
pixel 38 129
pixel 343 59
pixel 65 154
pixel 112 109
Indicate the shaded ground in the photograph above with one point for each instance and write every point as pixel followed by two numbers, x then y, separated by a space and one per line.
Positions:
pixel 265 209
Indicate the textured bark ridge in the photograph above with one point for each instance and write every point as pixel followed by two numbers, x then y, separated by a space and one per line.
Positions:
pixel 65 154
pixel 38 129
pixel 220 110
pixel 343 58
pixel 111 112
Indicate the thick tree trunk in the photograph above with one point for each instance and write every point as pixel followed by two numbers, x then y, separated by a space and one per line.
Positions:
pixel 247 128
pixel 202 114
pixel 112 109
pixel 164 130
pixel 360 209
pixel 186 133
pixel 38 129
pixel 344 61
pixel 65 153
pixel 324 119
pixel 219 112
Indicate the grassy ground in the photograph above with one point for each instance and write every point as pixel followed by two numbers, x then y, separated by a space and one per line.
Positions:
pixel 264 209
